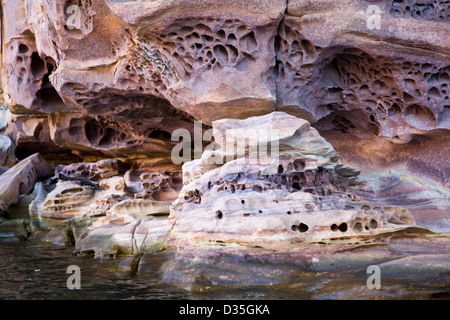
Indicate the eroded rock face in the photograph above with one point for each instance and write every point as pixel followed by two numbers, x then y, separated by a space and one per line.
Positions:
pixel 20 179
pixel 156 66
pixel 7 158
pixel 94 206
pixel 251 220
pixel 368 71
pixel 304 196
pixel 116 237
pixel 99 87
pixel 384 88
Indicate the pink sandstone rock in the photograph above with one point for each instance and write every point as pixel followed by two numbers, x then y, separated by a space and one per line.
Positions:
pixel 20 179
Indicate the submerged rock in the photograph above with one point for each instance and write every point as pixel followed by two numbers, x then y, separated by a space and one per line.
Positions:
pixel 117 237
pixel 430 265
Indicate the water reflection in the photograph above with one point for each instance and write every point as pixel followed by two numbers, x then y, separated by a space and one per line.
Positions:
pixel 38 271
pixel 32 270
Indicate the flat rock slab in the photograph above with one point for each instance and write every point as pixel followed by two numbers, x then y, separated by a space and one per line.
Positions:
pixel 425 264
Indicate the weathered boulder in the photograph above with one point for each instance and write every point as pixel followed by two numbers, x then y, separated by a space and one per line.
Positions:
pixel 431 265
pixel 301 194
pixel 20 179
pixel 7 158
pixel 89 205
pixel 6 151
pixel 117 237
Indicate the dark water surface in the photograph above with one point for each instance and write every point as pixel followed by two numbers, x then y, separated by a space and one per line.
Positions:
pixel 38 271
pixel 33 270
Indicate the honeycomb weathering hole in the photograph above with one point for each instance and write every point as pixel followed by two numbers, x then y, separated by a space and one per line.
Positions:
pixel 221 54
pixel 303 227
pixel 93 131
pixel 72 190
pixel 23 48
pixel 358 227
pixel 342 227
pixel 109 137
pixel 37 65
pixel 161 135
pixel 280 169
pixel 419 117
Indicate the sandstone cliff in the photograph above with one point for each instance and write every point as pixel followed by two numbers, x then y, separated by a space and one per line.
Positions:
pixel 358 92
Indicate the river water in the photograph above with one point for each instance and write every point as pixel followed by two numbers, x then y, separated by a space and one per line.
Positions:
pixel 34 270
